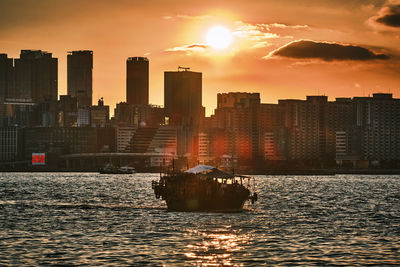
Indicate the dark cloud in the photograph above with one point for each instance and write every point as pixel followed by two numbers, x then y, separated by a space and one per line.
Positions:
pixel 326 51
pixel 390 16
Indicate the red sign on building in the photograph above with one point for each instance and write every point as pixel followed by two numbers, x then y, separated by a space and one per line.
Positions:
pixel 38 158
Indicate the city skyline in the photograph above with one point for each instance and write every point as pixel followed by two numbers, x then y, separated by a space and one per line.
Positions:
pixel 267 53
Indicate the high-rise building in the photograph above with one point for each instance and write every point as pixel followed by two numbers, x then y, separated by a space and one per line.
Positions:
pixel 272 138
pixel 379 119
pixel 6 83
pixel 36 77
pixel 305 122
pixel 137 81
pixel 182 97
pixel 343 140
pixel 80 66
pixel 237 115
pixel 182 104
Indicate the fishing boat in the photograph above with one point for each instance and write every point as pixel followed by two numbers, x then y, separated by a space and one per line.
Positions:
pixel 110 169
pixel 204 188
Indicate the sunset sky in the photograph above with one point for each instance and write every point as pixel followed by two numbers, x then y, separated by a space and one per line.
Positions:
pixel 282 49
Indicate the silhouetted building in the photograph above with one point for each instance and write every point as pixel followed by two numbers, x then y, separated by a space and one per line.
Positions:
pixel 21 112
pixel 343 139
pixel 148 115
pixel 272 134
pixel 137 81
pixel 156 140
pixel 236 113
pixel 124 136
pixel 182 104
pixel 36 77
pixel 80 66
pixel 56 141
pixel 138 115
pixel 83 117
pixel 47 114
pixel 100 114
pixel 305 122
pixel 182 97
pixel 67 111
pixel 124 114
pixel 213 145
pixel 6 84
pixel 10 143
pixel 28 89
pixel 379 119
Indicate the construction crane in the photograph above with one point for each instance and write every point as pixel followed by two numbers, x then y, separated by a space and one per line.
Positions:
pixel 183 68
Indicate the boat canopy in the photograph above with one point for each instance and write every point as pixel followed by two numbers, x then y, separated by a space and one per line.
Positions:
pixel 211 172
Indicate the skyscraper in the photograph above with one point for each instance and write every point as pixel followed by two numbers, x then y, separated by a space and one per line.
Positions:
pixel 182 103
pixel 36 76
pixel 6 75
pixel 6 82
pixel 182 97
pixel 80 66
pixel 137 81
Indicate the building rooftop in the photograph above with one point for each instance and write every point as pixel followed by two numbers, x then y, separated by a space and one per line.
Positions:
pixel 138 59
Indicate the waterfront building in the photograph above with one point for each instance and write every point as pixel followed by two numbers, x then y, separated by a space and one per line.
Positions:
pixel 124 136
pixel 56 141
pixel 305 121
pixel 10 143
pixel 272 134
pixel 379 119
pixel 343 142
pixel 236 114
pixel 204 152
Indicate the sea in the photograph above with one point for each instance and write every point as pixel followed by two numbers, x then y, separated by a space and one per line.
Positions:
pixel 89 219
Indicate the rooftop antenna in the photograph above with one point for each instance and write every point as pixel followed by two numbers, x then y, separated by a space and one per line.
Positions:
pixel 183 68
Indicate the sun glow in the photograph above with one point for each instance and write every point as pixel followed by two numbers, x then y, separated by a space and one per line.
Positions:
pixel 219 37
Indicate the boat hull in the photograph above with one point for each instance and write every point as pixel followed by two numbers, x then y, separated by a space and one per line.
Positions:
pixel 200 204
pixel 193 194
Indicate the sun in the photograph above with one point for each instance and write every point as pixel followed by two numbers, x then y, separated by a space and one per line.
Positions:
pixel 219 37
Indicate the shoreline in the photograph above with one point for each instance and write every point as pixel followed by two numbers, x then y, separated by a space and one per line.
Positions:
pixel 325 172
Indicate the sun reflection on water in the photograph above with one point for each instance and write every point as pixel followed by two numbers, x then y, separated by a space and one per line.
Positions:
pixel 214 247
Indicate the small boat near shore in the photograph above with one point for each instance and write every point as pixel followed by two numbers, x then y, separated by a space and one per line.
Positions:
pixel 110 169
pixel 204 188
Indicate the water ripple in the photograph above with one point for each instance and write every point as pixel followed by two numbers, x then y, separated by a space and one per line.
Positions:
pixel 92 219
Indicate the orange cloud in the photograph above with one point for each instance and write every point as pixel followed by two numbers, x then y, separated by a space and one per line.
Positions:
pixel 188 48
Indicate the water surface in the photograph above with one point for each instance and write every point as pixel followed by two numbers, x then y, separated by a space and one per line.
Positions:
pixel 93 219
